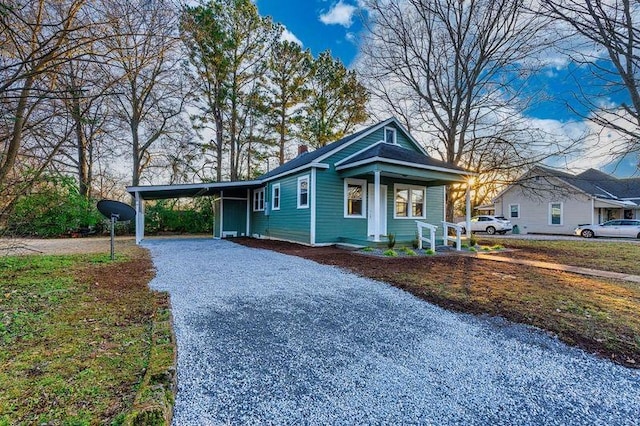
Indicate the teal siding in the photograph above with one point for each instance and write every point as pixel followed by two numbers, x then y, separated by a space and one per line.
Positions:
pixel 216 219
pixel 234 216
pixel 288 223
pixel 434 212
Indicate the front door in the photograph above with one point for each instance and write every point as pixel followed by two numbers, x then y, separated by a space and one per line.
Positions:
pixel 382 230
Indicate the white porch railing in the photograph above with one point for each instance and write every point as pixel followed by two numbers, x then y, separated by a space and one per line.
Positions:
pixel 432 234
pixel 454 239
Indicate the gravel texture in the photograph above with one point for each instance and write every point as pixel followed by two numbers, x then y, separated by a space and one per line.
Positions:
pixel 266 338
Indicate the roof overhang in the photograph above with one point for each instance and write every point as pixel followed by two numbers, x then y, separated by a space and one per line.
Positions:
pixel 403 170
pixel 160 192
pixel 606 203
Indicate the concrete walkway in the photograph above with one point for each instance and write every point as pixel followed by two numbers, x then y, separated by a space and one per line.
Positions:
pixel 560 267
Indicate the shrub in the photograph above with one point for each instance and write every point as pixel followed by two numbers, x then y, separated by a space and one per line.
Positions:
pixel 416 242
pixel 472 241
pixel 430 252
pixel 472 249
pixel 390 253
pixel 408 251
pixel 368 249
pixel 52 208
pixel 485 248
pixel 391 241
pixel 497 247
pixel 169 216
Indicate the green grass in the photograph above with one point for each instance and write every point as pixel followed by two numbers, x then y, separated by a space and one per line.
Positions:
pixel 609 256
pixel 75 336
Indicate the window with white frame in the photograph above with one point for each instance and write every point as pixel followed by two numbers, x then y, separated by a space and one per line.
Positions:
pixel 409 202
pixel 354 197
pixel 258 200
pixel 303 192
pixel 514 211
pixel 390 135
pixel 275 197
pixel 555 213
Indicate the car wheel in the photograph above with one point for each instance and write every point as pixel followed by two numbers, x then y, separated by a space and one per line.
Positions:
pixel 491 230
pixel 638 236
pixel 587 233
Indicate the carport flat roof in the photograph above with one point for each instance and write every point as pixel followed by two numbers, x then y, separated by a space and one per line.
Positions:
pixel 159 192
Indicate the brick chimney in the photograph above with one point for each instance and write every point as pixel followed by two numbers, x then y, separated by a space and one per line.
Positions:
pixel 302 149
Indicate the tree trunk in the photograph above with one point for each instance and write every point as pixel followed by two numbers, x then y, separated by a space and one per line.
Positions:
pixel 16 137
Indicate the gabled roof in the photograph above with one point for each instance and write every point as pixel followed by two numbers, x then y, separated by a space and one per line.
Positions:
pixel 314 157
pixel 596 183
pixel 385 151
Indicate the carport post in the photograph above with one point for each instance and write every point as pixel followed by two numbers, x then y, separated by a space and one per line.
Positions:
pixel 468 207
pixel 139 218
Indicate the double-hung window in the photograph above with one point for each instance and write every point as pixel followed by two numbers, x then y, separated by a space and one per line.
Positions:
pixel 303 192
pixel 258 200
pixel 514 211
pixel 555 213
pixel 275 197
pixel 354 197
pixel 409 202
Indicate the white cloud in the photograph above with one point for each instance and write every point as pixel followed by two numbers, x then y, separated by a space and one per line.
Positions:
pixel 339 14
pixel 350 37
pixel 289 36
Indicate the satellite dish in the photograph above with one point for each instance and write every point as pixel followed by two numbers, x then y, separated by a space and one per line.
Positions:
pixel 121 211
pixel 115 211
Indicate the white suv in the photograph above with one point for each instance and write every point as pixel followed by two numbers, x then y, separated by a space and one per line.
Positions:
pixel 488 224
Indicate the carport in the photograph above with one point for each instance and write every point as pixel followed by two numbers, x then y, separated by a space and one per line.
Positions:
pixel 232 197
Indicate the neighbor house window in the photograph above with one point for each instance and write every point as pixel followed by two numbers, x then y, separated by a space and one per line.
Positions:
pixel 555 213
pixel 303 192
pixel 275 197
pixel 409 202
pixel 354 196
pixel 258 200
pixel 390 135
pixel 514 211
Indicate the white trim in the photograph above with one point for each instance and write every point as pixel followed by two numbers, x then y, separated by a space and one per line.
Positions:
pixel 237 198
pixel 376 205
pixel 298 192
pixel 409 188
pixel 593 210
pixel 256 206
pixel 312 219
pixel 371 130
pixel 550 217
pixel 273 196
pixel 404 163
pixel 363 184
pixel 139 218
pixel 221 213
pixel 355 154
pixel 248 228
pixel 395 135
pixel 514 217
pixel 311 165
pixel 208 185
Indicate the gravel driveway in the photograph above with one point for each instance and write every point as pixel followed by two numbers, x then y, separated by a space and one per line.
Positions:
pixel 266 338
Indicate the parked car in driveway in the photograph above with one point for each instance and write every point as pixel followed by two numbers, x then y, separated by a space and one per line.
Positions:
pixel 624 228
pixel 488 224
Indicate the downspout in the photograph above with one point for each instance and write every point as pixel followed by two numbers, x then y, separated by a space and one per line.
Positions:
pixel 593 210
pixel 312 226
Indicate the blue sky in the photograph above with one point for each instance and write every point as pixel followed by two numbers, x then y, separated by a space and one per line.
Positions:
pixel 336 25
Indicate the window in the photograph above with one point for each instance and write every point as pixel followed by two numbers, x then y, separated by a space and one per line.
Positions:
pixel 555 213
pixel 390 135
pixel 258 200
pixel 409 202
pixel 514 211
pixel 303 192
pixel 275 197
pixel 354 196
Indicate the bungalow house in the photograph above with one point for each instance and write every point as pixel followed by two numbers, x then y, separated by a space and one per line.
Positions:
pixel 359 189
pixel 550 201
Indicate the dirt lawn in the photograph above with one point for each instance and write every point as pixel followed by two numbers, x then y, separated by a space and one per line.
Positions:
pixel 22 246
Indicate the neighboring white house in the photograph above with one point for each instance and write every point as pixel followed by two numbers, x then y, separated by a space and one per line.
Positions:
pixel 550 201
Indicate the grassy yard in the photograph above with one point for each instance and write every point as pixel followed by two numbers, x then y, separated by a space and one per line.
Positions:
pixel 609 256
pixel 75 336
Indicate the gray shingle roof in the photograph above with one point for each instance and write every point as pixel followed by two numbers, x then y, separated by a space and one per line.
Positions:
pixel 599 184
pixel 398 153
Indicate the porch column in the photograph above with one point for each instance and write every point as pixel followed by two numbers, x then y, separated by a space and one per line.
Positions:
pixel 248 232
pixel 376 205
pixel 468 208
pixel 139 218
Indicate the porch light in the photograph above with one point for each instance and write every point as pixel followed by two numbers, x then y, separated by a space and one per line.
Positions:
pixel 471 181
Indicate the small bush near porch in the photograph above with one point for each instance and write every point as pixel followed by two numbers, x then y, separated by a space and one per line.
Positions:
pixel 75 335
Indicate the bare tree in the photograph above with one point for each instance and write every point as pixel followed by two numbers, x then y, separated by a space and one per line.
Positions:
pixel 142 55
pixel 456 72
pixel 611 30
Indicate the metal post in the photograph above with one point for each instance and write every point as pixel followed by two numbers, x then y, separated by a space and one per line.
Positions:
pixel 376 205
pixel 114 217
pixel 468 208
